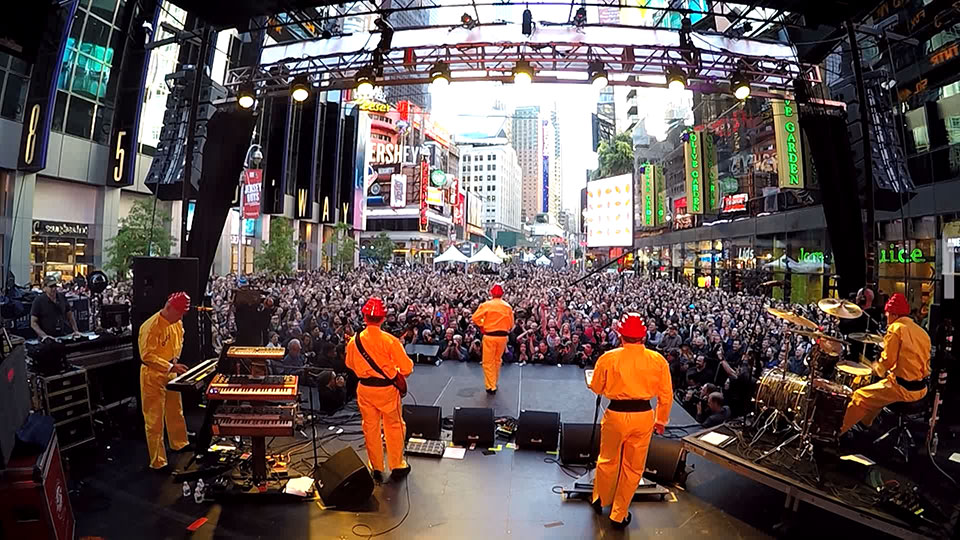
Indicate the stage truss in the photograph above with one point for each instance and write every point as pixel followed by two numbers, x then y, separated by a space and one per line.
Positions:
pixel 632 56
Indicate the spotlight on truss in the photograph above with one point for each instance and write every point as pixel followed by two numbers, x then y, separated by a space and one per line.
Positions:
pixel 580 18
pixel 467 21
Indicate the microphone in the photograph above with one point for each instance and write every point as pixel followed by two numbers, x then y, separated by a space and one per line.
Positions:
pixel 204 308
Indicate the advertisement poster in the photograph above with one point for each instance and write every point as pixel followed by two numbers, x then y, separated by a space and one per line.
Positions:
pixel 398 190
pixel 609 212
pixel 424 179
pixel 694 173
pixel 252 186
pixel 789 154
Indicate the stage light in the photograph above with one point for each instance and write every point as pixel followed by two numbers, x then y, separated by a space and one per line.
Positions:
pixel 300 89
pixel 580 19
pixel 440 74
pixel 740 84
pixel 523 73
pixel 246 95
pixel 598 76
pixel 676 79
pixel 527 26
pixel 467 21
pixel 365 78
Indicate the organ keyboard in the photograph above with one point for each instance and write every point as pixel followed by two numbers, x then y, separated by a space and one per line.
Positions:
pixel 195 378
pixel 257 353
pixel 255 421
pixel 245 388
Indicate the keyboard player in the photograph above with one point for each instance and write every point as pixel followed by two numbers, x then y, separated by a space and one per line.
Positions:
pixel 161 341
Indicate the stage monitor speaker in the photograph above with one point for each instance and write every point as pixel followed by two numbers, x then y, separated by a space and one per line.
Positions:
pixel 344 481
pixel 666 460
pixel 473 425
pixel 423 421
pixel 575 444
pixel 538 430
pixel 154 279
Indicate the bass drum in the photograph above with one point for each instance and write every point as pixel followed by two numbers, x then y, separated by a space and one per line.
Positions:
pixel 781 391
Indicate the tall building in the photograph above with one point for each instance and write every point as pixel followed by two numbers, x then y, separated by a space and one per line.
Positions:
pixel 556 166
pixel 490 170
pixel 528 142
pixel 418 94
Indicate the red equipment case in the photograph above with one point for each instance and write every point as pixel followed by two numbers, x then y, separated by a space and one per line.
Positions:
pixel 34 500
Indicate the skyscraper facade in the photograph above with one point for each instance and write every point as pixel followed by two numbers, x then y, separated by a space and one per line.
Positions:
pixel 528 142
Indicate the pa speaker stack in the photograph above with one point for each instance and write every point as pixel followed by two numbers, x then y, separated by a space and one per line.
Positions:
pixel 538 430
pixel 344 481
pixel 473 425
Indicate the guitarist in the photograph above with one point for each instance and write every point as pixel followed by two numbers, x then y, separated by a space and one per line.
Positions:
pixel 380 363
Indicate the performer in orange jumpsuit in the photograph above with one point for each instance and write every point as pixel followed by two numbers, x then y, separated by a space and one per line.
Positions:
pixel 629 376
pixel 161 340
pixel 905 362
pixel 378 398
pixel 495 319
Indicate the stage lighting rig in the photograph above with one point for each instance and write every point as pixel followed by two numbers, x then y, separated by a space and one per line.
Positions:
pixel 580 19
pixel 440 74
pixel 598 75
pixel 528 24
pixel 467 21
pixel 365 79
pixel 246 95
pixel 676 78
pixel 523 73
pixel 740 84
pixel 300 88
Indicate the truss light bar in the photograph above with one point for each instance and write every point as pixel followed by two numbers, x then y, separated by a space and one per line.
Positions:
pixel 740 85
pixel 246 95
pixel 365 79
pixel 440 74
pixel 523 73
pixel 300 89
pixel 676 79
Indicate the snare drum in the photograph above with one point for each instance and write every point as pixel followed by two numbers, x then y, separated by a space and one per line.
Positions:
pixel 853 375
pixel 830 401
pixel 824 357
pixel 783 392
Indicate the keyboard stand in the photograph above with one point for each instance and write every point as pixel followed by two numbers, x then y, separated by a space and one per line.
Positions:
pixel 259 460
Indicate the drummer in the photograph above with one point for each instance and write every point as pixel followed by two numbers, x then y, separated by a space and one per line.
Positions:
pixel 905 362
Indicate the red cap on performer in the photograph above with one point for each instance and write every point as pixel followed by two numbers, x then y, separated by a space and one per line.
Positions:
pixel 374 308
pixel 496 291
pixel 897 305
pixel 179 301
pixel 631 326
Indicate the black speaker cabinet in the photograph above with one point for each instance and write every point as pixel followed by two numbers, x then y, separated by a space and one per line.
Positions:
pixel 575 444
pixel 666 460
pixel 538 430
pixel 154 279
pixel 473 425
pixel 423 421
pixel 344 481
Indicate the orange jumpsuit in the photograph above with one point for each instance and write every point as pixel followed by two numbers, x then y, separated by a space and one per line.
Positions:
pixel 629 372
pixel 494 315
pixel 160 344
pixel 906 354
pixel 380 404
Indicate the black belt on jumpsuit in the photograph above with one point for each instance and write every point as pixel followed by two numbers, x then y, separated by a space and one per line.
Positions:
pixel 629 405
pixel 913 386
pixel 376 381
pixel 497 333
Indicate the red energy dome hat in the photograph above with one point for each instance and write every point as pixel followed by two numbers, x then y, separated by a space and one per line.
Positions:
pixel 179 301
pixel 897 305
pixel 496 291
pixel 374 308
pixel 631 326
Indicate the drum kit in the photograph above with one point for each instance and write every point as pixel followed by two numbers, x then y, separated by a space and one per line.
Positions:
pixel 812 406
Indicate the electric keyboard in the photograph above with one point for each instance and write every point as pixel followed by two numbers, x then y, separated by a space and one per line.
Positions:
pixel 245 388
pixel 255 421
pixel 195 378
pixel 257 353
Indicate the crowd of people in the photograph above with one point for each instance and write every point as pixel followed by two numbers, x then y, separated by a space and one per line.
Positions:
pixel 717 343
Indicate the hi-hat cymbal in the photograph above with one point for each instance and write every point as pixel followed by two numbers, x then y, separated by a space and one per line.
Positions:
pixel 792 318
pixel 840 308
pixel 863 337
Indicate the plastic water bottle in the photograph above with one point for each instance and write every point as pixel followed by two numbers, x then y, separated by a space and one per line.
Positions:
pixel 198 492
pixel 186 489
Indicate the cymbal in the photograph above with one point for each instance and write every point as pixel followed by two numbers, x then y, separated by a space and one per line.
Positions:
pixel 840 308
pixel 856 368
pixel 792 318
pixel 818 335
pixel 863 337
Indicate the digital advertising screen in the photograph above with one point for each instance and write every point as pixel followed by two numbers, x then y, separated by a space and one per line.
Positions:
pixel 609 212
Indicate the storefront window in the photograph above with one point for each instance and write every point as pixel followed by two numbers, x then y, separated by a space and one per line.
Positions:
pixel 62 258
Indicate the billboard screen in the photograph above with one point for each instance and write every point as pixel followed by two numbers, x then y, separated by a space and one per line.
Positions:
pixel 609 212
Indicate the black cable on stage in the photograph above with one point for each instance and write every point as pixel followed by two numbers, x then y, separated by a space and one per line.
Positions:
pixel 372 534
pixel 943 472
pixel 567 469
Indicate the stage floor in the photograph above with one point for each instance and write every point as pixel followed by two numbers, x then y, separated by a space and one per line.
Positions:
pixel 507 494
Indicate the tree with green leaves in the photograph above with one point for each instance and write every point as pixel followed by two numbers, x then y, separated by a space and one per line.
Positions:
pixel 344 246
pixel 381 249
pixel 277 256
pixel 615 157
pixel 140 233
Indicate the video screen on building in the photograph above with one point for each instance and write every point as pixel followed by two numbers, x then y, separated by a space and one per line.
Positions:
pixel 609 212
